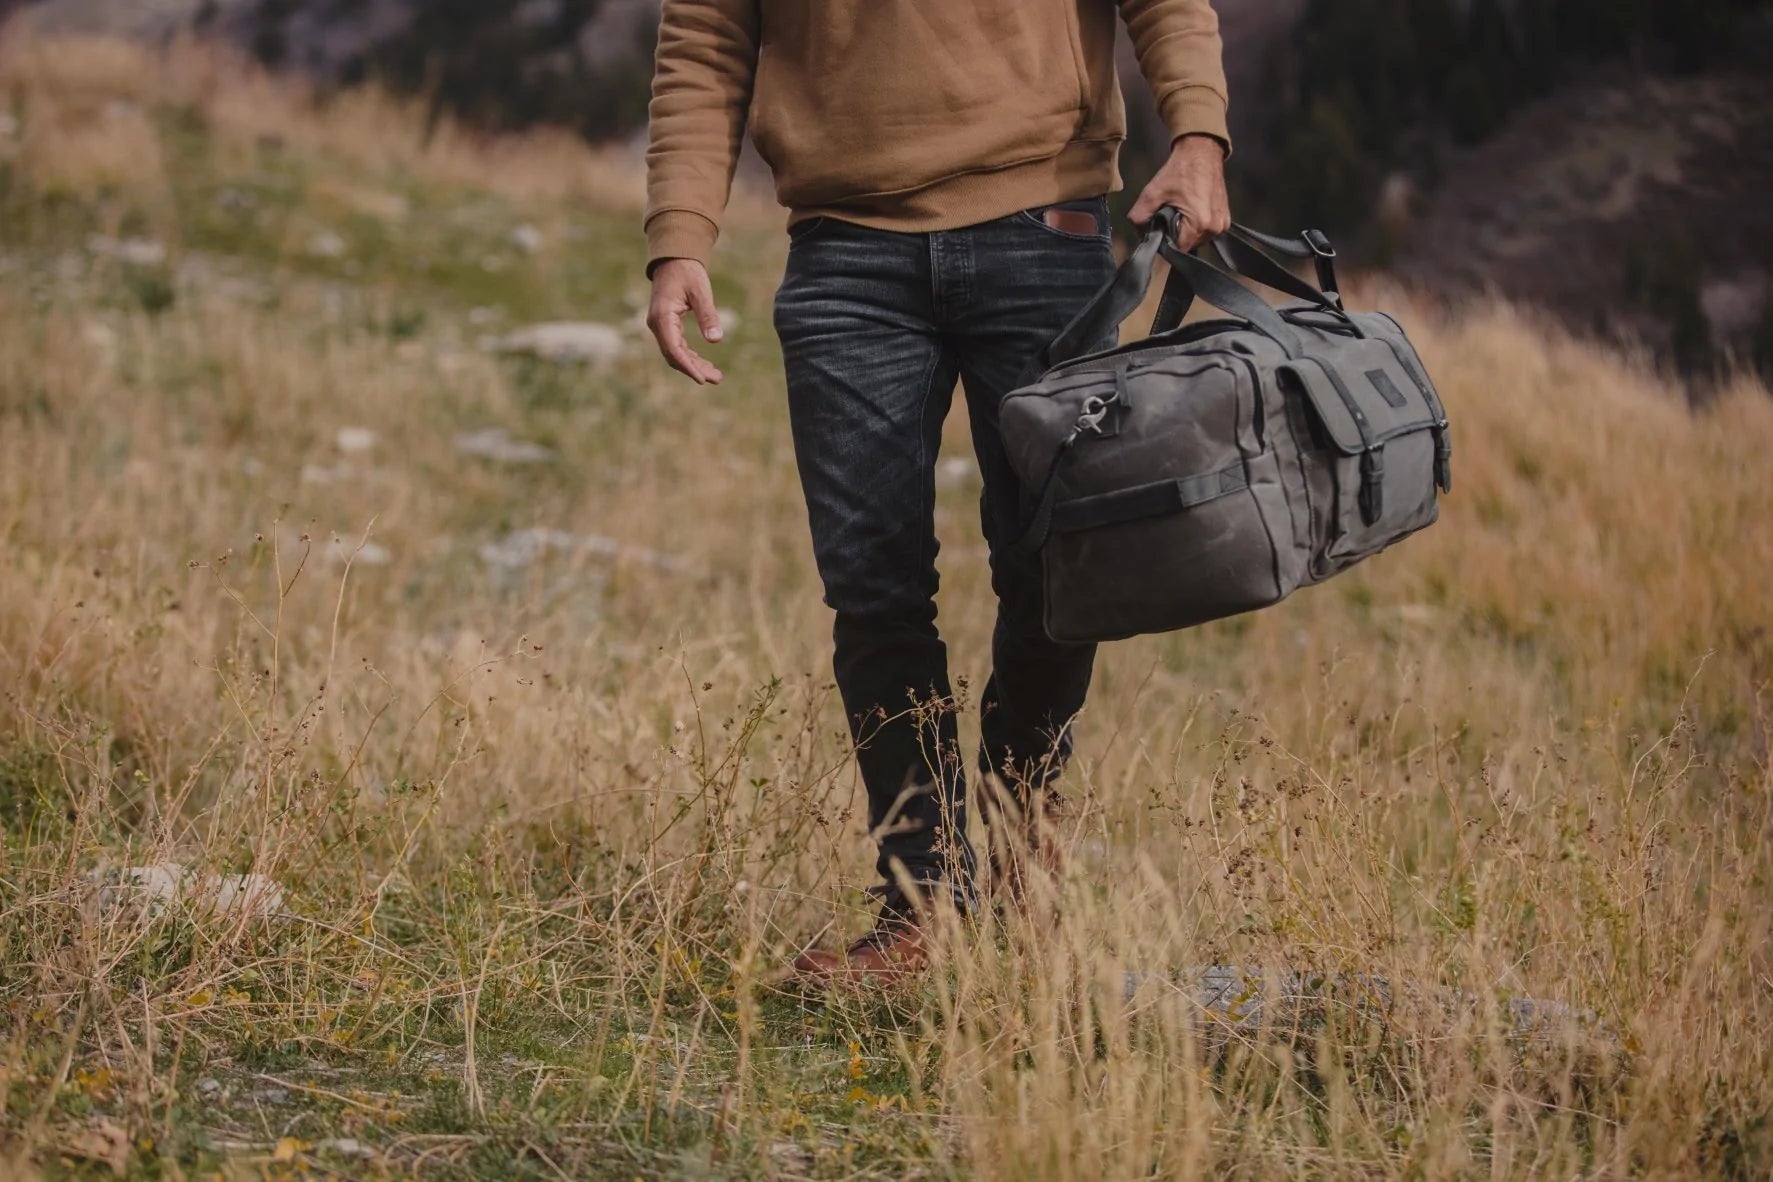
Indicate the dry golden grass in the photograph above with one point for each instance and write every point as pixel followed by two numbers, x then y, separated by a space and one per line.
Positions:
pixel 546 832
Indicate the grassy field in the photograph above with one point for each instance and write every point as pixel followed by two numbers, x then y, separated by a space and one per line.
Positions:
pixel 535 764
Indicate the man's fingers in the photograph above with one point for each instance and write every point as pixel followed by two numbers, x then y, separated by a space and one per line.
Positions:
pixel 701 298
pixel 678 354
pixel 1189 233
pixel 667 329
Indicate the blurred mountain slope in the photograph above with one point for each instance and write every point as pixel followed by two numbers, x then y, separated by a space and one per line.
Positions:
pixel 1632 206
pixel 130 18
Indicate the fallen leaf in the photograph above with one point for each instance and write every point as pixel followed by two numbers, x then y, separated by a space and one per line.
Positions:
pixel 289 1148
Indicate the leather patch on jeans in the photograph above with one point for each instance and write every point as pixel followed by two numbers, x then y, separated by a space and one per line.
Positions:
pixel 1072 221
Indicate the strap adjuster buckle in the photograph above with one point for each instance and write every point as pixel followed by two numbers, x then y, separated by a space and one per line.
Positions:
pixel 1325 254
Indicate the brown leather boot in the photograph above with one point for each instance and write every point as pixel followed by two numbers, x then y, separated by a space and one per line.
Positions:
pixel 891 953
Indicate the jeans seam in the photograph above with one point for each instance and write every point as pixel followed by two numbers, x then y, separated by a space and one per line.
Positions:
pixel 926 475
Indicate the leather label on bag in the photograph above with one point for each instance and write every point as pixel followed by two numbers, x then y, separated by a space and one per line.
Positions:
pixel 1387 388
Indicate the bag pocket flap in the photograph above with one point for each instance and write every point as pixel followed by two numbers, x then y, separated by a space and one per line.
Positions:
pixel 1362 394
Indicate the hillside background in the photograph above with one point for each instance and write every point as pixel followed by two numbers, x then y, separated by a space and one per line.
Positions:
pixel 1607 160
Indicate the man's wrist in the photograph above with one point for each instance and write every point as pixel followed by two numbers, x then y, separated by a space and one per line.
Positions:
pixel 1200 141
pixel 678 234
pixel 653 265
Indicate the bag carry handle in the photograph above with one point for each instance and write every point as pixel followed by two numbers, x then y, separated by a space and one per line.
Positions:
pixel 1244 251
pixel 1190 277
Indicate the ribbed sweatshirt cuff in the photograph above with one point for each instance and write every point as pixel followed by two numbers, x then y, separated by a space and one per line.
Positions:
pixel 678 234
pixel 1195 110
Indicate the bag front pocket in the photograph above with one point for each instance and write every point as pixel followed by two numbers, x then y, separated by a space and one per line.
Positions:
pixel 1201 546
pixel 1370 441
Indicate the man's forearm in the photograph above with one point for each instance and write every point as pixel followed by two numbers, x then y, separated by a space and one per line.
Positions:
pixel 702 81
pixel 1182 58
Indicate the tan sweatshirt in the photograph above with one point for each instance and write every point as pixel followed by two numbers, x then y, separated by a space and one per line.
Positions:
pixel 909 114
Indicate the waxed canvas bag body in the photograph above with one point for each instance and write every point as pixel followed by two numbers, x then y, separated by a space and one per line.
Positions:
pixel 1215 468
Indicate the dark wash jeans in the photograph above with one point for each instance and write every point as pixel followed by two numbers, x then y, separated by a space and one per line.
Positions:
pixel 876 326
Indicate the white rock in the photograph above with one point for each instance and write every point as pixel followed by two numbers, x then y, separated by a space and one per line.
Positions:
pixel 327 245
pixel 517 550
pixel 102 337
pixel 565 342
pixel 162 885
pixel 483 316
pixel 495 443
pixel 364 554
pixel 138 252
pixel 355 440
pixel 527 239
pixel 150 887
pixel 957 472
pixel 349 1146
pixel 235 894
pixel 8 126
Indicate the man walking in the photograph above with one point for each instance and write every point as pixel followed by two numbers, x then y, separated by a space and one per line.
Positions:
pixel 945 163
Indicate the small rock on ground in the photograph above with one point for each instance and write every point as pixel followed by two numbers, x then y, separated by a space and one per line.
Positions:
pixel 564 342
pixel 495 443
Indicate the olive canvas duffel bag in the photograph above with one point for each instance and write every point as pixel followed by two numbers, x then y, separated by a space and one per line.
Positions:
pixel 1216 467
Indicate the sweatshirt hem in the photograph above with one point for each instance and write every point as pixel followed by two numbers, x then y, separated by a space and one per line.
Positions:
pixel 1083 168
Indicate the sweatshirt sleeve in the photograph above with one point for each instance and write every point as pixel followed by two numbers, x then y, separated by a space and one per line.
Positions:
pixel 702 79
pixel 1177 42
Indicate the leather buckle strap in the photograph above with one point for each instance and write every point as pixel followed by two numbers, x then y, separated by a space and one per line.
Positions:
pixel 1372 496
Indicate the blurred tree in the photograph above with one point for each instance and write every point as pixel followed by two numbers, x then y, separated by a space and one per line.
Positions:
pixel 503 64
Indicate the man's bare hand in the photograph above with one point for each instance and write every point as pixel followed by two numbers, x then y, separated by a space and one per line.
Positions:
pixel 681 286
pixel 1193 180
